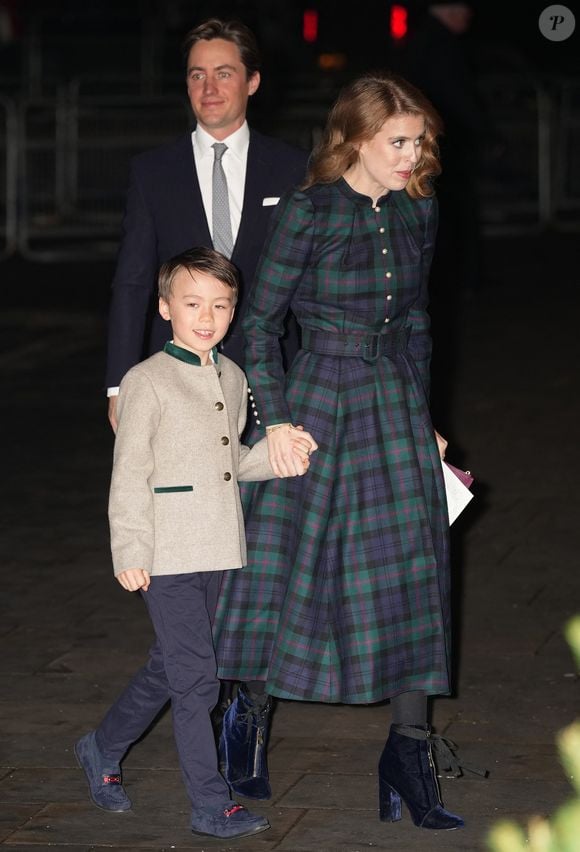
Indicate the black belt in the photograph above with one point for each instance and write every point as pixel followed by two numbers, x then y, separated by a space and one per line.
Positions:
pixel 355 344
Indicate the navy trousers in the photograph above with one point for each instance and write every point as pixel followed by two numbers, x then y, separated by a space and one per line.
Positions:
pixel 181 668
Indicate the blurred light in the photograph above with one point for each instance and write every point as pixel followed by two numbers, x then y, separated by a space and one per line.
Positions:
pixel 398 22
pixel 332 61
pixel 310 25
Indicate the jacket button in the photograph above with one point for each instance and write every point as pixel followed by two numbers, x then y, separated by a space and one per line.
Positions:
pixel 225 440
pixel 227 476
pixel 219 406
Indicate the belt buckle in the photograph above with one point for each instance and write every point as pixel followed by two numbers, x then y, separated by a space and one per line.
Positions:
pixel 373 349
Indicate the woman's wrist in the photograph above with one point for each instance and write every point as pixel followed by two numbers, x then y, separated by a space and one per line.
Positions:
pixel 277 426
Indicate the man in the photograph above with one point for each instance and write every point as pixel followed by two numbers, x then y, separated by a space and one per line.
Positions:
pixel 171 205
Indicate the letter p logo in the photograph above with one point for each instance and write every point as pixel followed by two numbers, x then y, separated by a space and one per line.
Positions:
pixel 557 23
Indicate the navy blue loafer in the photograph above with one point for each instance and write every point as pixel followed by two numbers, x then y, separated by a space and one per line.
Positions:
pixel 226 821
pixel 105 787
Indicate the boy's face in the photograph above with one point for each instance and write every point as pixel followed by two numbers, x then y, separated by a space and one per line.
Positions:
pixel 200 309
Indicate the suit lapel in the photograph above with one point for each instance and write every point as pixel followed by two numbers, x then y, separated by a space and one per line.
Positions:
pixel 257 180
pixel 188 200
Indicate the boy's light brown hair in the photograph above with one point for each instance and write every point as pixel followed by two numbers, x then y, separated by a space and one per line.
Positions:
pixel 199 259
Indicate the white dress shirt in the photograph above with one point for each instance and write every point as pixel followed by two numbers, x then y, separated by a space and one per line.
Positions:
pixel 234 162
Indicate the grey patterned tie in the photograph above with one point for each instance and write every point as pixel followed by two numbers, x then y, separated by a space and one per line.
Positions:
pixel 221 222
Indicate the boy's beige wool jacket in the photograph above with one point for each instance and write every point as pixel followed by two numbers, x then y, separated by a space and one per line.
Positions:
pixel 174 503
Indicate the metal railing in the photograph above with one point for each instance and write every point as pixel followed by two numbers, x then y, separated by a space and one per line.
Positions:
pixel 8 178
pixel 74 168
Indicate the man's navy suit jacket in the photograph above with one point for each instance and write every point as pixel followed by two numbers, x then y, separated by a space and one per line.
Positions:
pixel 164 216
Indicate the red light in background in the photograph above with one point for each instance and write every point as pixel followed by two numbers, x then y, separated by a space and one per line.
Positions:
pixel 398 23
pixel 310 25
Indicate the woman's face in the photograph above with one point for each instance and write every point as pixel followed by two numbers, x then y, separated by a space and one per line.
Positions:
pixel 386 162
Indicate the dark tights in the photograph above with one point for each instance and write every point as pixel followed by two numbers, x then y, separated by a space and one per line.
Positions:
pixel 255 687
pixel 408 708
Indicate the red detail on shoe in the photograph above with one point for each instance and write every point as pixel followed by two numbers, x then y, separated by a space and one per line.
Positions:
pixel 111 779
pixel 229 811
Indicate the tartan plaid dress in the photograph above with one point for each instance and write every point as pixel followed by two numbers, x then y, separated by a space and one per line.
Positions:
pixel 346 594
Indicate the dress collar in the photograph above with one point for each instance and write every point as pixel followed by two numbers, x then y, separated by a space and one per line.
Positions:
pixel 186 356
pixel 359 198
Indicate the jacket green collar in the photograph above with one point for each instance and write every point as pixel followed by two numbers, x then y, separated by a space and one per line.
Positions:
pixel 187 356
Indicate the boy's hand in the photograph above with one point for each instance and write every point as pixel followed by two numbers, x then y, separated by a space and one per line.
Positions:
pixel 134 579
pixel 289 448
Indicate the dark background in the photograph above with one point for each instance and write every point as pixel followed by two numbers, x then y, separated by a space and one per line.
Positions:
pixel 505 33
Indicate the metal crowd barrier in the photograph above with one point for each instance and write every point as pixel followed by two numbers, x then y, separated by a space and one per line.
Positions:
pixel 8 178
pixel 64 161
pixel 512 185
pixel 566 163
pixel 74 168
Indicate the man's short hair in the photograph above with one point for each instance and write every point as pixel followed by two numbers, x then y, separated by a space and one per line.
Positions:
pixel 234 31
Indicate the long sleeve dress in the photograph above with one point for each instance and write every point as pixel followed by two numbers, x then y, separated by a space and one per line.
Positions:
pixel 346 594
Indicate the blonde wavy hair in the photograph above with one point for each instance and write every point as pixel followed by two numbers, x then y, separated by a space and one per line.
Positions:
pixel 360 111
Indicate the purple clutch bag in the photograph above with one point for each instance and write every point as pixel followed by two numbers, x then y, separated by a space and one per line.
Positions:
pixel 464 476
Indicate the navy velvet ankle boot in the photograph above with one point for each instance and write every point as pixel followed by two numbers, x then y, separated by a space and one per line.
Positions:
pixel 407 772
pixel 242 746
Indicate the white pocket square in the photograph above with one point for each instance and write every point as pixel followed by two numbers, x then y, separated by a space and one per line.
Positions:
pixel 269 202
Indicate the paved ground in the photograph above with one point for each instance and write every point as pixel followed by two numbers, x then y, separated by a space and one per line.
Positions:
pixel 70 637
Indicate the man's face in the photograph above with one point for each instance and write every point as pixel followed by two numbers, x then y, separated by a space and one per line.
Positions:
pixel 218 86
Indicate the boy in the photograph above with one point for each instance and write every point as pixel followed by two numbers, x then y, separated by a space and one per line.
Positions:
pixel 176 523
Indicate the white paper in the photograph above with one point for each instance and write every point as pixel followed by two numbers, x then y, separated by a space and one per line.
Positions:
pixel 458 495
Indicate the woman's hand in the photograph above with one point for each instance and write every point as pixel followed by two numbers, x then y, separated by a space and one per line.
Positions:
pixel 441 444
pixel 289 449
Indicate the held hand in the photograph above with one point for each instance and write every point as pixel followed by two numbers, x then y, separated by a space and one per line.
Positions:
pixel 134 579
pixel 305 440
pixel 113 413
pixel 287 450
pixel 302 455
pixel 441 444
pixel 301 451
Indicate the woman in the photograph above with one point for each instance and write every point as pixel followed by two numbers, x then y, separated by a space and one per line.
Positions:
pixel 346 597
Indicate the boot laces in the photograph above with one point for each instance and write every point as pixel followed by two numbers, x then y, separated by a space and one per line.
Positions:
pixel 255 716
pixel 444 750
